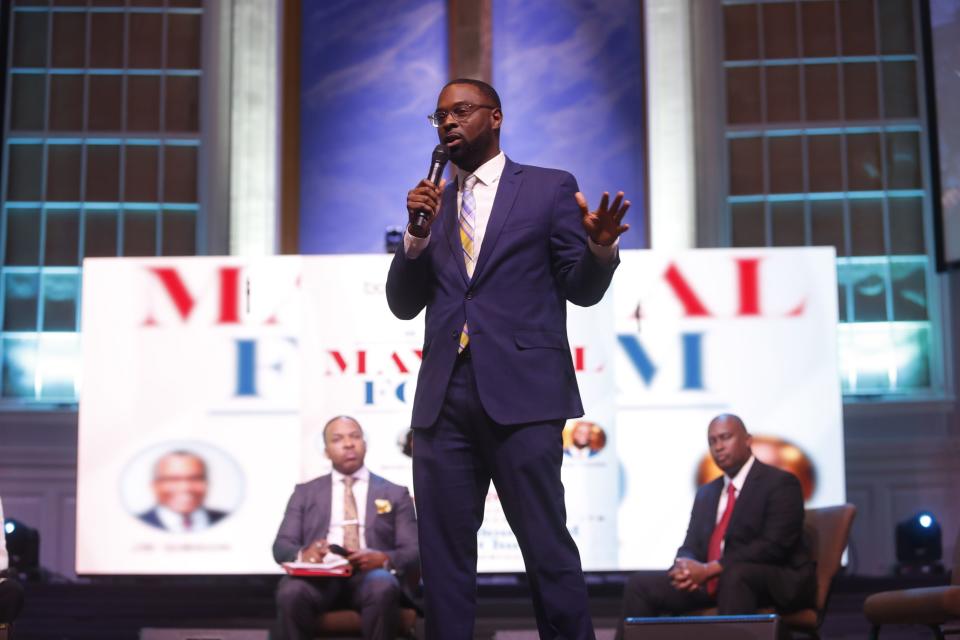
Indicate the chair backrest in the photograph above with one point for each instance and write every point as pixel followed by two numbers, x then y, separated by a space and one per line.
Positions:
pixel 827 530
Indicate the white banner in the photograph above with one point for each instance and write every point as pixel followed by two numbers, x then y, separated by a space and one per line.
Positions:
pixel 207 381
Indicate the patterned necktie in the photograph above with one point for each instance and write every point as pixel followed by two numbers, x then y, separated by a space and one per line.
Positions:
pixel 187 522
pixel 719 532
pixel 351 532
pixel 468 232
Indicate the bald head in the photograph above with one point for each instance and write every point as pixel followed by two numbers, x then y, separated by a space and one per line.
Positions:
pixel 729 443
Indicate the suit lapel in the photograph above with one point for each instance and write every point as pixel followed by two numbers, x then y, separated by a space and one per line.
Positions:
pixel 324 499
pixel 451 227
pixel 746 494
pixel 507 190
pixel 370 519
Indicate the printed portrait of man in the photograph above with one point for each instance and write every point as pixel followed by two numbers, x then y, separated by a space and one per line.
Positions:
pixel 180 482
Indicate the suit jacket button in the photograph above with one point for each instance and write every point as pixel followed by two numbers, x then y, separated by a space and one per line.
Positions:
pixel 455 334
pixel 469 295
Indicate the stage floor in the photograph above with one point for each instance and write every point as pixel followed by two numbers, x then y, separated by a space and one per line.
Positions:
pixel 119 608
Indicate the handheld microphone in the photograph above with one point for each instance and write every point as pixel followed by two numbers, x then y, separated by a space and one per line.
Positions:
pixel 338 550
pixel 437 163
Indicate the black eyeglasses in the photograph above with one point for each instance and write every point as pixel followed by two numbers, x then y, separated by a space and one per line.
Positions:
pixel 460 112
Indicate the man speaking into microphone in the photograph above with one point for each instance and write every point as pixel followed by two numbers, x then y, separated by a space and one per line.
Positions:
pixel 494 256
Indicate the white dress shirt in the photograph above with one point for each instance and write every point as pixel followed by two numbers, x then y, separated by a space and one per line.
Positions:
pixel 737 482
pixel 484 191
pixel 173 521
pixel 361 482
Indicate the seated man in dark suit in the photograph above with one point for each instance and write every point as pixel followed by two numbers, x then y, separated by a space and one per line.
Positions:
pixel 11 592
pixel 744 547
pixel 180 486
pixel 372 518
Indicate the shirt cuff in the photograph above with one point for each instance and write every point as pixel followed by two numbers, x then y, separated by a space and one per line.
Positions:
pixel 413 246
pixel 605 255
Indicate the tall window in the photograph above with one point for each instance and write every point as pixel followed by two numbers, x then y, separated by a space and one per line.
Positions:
pixel 826 145
pixel 100 154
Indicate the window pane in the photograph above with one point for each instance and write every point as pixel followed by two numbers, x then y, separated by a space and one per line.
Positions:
pixel 183 41
pixel 866 223
pixel 900 89
pixel 141 173
pixel 24 172
pixel 860 97
pixel 29 39
pixel 139 233
pixel 863 162
pixel 746 166
pixel 63 238
pixel 19 367
pixel 106 101
pixel 780 30
pixel 909 290
pixel 145 41
pixel 100 234
pixel 826 222
pixel 786 164
pixel 741 32
pixel 143 103
pixel 106 49
pixel 783 93
pixel 103 173
pixel 58 365
pixel 789 227
pixel 824 158
pixel 749 229
pixel 23 237
pixel 180 174
pixel 183 104
pixel 63 172
pixel 21 291
pixel 61 296
pixel 913 370
pixel 903 161
pixel 906 226
pixel 743 95
pixel 66 103
pixel 896 26
pixel 856 27
pixel 819 29
pixel 869 285
pixel 179 233
pixel 27 102
pixel 823 103
pixel 69 40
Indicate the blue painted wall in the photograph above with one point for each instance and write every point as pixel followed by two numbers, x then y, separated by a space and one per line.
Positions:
pixel 570 76
pixel 370 75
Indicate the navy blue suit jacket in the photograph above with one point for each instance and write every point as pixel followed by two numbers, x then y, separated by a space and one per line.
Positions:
pixel 533 259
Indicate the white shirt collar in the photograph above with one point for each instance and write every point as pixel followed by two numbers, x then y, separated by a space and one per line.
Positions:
pixel 360 475
pixel 488 173
pixel 173 520
pixel 741 476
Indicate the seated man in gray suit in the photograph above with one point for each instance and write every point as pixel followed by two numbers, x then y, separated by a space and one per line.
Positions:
pixel 380 536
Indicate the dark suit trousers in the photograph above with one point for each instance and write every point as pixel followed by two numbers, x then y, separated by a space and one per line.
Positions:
pixel 453 464
pixel 375 594
pixel 11 600
pixel 743 588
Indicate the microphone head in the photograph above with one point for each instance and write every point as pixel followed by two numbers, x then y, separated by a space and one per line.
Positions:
pixel 441 154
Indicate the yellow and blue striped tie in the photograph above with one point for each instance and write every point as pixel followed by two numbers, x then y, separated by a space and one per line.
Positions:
pixel 468 232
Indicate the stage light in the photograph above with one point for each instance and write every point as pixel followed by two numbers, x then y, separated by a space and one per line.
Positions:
pixel 393 239
pixel 23 547
pixel 919 544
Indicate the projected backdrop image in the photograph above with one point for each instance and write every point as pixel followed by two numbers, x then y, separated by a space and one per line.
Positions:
pixel 207 383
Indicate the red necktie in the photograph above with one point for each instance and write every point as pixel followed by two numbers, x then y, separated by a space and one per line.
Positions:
pixel 187 522
pixel 716 538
